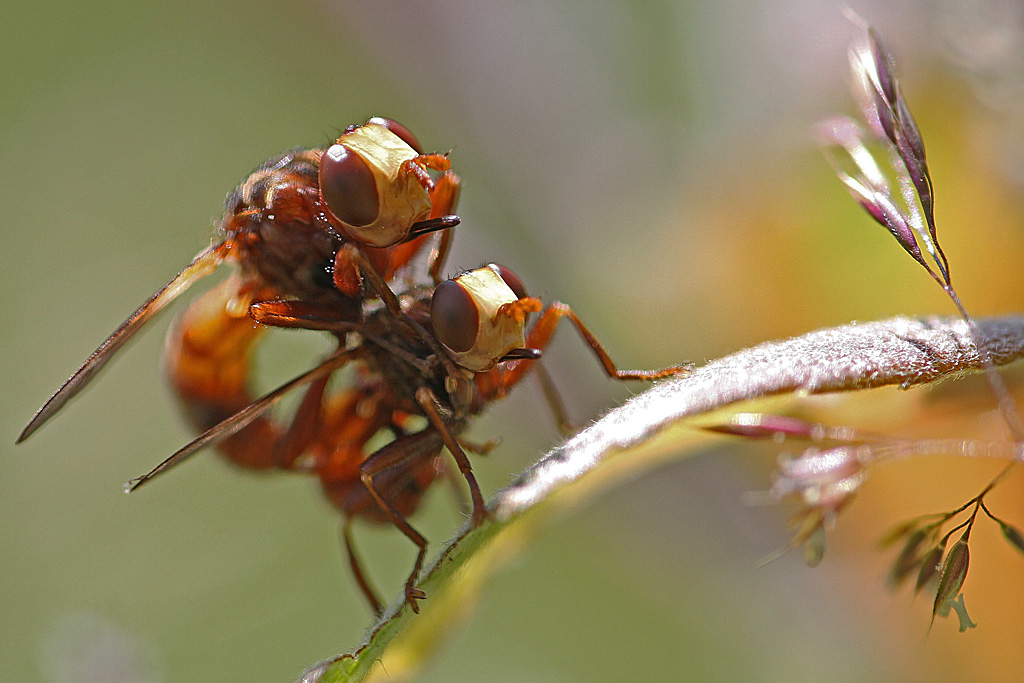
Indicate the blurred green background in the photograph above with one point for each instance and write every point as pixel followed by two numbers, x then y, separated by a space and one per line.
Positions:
pixel 649 162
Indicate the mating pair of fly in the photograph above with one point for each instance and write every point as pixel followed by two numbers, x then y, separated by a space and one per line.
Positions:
pixel 323 239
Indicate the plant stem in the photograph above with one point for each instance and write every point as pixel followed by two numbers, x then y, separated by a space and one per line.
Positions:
pixel 1007 406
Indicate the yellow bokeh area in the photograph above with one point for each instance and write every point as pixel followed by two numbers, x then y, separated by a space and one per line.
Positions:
pixel 649 163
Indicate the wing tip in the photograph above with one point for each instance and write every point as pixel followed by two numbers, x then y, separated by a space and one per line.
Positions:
pixel 35 423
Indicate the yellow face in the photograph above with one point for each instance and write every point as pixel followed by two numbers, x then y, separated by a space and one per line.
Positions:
pixel 479 317
pixel 368 189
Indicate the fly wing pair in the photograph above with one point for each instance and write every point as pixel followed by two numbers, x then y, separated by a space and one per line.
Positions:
pixel 203 264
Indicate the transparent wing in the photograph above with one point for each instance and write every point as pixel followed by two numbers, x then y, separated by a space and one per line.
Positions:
pixel 243 417
pixel 201 265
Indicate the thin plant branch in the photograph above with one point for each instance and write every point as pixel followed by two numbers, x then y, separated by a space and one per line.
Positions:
pixel 899 352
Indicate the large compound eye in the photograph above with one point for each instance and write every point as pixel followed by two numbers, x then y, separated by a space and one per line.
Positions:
pixel 399 130
pixel 348 187
pixel 454 316
pixel 511 279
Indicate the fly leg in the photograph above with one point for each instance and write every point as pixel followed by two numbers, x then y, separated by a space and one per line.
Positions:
pixel 353 255
pixel 539 337
pixel 301 315
pixel 431 408
pixel 443 198
pixel 306 423
pixel 357 568
pixel 452 477
pixel 418 165
pixel 554 400
pixel 402 453
pixel 304 428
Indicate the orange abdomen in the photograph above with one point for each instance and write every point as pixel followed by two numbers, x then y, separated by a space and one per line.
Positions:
pixel 208 358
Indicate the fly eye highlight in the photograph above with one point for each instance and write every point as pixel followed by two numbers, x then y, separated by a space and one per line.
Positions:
pixel 348 187
pixel 401 131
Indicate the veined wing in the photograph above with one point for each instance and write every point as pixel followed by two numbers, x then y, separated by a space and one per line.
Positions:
pixel 201 265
